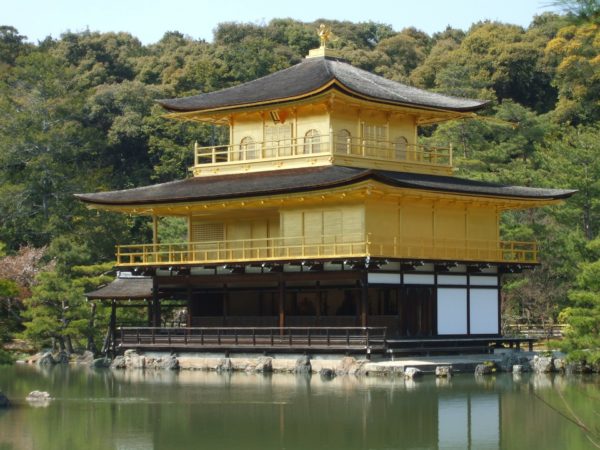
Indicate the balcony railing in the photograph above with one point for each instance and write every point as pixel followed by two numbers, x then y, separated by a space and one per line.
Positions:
pixel 332 145
pixel 324 248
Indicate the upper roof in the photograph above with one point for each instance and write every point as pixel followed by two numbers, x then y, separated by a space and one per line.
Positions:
pixel 308 179
pixel 312 76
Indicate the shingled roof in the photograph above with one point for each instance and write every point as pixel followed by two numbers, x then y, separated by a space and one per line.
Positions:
pixel 303 180
pixel 312 76
pixel 134 288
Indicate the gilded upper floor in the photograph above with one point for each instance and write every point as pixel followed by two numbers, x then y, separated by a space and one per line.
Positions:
pixel 327 213
pixel 322 111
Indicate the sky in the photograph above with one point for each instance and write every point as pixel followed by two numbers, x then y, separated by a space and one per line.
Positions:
pixel 148 20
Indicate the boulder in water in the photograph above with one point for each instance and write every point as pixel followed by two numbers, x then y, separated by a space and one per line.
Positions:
pixel 410 373
pixel 443 371
pixel 38 398
pixel 303 365
pixel 46 360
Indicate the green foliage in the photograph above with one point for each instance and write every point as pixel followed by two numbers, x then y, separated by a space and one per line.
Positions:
pixel 56 312
pixel 5 357
pixel 172 230
pixel 575 52
pixel 583 316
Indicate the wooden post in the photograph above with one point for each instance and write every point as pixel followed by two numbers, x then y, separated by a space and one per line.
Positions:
pixel 281 304
pixel 154 230
pixel 189 304
pixel 155 304
pixel 150 311
pixel 364 298
pixel 113 325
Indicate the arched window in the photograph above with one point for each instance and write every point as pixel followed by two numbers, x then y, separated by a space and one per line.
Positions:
pixel 343 142
pixel 248 148
pixel 400 148
pixel 312 142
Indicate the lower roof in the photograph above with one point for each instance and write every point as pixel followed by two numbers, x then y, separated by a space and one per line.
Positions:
pixel 308 179
pixel 133 288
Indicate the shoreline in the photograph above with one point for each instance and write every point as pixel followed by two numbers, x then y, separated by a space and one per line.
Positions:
pixel 502 360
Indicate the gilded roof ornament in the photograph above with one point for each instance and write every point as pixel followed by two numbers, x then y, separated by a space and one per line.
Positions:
pixel 325 36
pixel 324 33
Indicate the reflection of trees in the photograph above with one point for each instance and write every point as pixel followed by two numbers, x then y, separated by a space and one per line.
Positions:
pixel 574 403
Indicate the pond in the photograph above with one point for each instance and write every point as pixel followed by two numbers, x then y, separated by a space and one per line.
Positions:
pixel 135 410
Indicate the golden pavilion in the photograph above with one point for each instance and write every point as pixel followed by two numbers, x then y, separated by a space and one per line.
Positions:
pixel 322 224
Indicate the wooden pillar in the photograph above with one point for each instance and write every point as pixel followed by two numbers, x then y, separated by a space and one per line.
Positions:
pixel 155 304
pixel 154 229
pixel 364 298
pixel 281 303
pixel 189 304
pixel 113 325
pixel 225 300
pixel 150 311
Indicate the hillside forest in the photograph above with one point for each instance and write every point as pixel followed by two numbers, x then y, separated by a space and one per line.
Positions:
pixel 78 114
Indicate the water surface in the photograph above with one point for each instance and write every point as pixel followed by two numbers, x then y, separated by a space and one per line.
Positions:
pixel 135 410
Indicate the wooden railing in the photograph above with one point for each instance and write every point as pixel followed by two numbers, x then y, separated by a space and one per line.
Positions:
pixel 324 247
pixel 288 338
pixel 329 144
pixel 540 331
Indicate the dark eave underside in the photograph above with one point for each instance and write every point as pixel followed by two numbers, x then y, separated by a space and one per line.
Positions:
pixel 311 75
pixel 303 180
pixel 137 288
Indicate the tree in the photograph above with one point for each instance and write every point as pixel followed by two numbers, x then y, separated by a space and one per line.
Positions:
pixel 582 340
pixel 580 11
pixel 56 313
pixel 575 52
pixel 9 318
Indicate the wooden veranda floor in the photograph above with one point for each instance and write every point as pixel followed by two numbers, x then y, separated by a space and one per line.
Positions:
pixel 340 340
pixel 274 339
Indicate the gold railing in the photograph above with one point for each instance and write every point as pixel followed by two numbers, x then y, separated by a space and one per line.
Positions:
pixel 324 247
pixel 243 250
pixel 455 250
pixel 331 144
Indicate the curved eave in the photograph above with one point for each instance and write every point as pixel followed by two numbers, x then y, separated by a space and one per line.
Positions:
pixel 268 185
pixel 92 199
pixel 331 85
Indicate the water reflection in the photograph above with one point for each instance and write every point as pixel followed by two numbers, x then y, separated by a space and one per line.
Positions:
pixel 168 410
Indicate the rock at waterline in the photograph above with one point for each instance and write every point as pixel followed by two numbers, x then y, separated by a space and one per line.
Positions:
pixel 46 360
pixel 485 369
pixel 86 357
pixel 327 374
pixel 118 363
pixel 38 398
pixel 303 365
pixel 542 364
pixel 100 363
pixel 443 371
pixel 224 365
pixel 412 372
pixel 4 401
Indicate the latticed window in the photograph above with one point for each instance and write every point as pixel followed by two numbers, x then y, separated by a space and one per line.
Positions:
pixel 278 140
pixel 248 148
pixel 207 231
pixel 373 138
pixel 343 143
pixel 312 142
pixel 400 148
